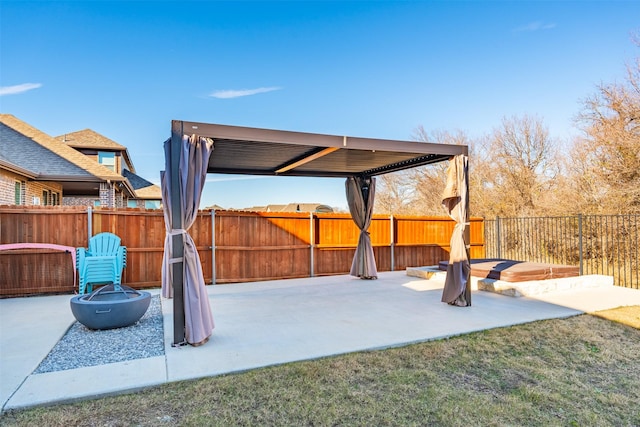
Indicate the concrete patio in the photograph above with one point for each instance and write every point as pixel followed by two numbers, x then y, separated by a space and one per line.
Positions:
pixel 268 323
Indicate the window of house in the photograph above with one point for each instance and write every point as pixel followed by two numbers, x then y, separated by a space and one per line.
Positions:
pixel 107 159
pixel 46 197
pixel 20 193
pixel 132 204
pixel 152 204
pixel 96 203
pixel 55 199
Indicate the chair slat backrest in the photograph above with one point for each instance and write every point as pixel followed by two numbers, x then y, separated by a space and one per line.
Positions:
pixel 104 244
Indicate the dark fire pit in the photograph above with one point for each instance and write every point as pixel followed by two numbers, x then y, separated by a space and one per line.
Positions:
pixel 111 306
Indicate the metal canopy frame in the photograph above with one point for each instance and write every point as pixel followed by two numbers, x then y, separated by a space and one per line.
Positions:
pixel 255 151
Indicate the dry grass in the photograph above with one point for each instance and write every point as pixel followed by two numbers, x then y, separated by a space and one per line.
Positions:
pixel 582 370
pixel 626 315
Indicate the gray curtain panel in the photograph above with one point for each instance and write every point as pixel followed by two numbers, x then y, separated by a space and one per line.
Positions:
pixel 457 290
pixel 360 197
pixel 194 158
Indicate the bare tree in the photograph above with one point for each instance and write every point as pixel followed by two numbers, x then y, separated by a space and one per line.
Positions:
pixel 482 189
pixel 522 165
pixel 607 156
pixel 394 194
pixel 419 191
pixel 429 181
pixel 512 172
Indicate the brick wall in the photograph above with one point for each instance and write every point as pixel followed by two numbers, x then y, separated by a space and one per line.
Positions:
pixel 35 191
pixel 87 201
pixel 107 195
pixel 32 190
pixel 8 186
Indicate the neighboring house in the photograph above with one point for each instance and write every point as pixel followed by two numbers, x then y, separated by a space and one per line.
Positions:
pixel 293 207
pixel 37 169
pixel 115 157
pixel 214 208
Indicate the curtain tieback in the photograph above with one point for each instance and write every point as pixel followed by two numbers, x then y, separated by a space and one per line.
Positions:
pixel 176 232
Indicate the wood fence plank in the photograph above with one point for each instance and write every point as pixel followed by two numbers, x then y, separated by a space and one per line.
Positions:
pixel 249 245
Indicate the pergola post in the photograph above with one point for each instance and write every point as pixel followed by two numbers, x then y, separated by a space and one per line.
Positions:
pixel 467 228
pixel 177 244
pixel 274 153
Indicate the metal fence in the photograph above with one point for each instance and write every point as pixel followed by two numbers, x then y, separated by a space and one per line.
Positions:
pixel 599 244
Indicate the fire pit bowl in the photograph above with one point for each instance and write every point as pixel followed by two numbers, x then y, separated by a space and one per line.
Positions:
pixel 111 306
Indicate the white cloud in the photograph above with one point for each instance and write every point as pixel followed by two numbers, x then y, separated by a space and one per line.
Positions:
pixel 13 90
pixel 536 26
pixel 233 93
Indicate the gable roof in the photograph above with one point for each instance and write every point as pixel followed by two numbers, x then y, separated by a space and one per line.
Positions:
pixel 291 207
pixel 90 139
pixel 32 149
pixel 307 207
pixel 143 188
pixel 34 154
pixel 25 153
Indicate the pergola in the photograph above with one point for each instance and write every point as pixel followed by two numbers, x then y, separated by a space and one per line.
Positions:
pixel 253 151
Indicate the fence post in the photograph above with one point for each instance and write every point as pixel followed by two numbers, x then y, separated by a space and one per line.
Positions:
pixel 89 225
pixel 311 243
pixel 498 240
pixel 392 243
pixel 580 240
pixel 213 246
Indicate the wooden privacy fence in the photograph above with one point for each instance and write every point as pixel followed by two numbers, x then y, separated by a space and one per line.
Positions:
pixel 234 246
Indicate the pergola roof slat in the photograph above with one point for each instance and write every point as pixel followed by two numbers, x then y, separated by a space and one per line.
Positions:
pixel 254 151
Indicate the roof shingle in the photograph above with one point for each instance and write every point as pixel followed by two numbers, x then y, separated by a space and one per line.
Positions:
pixel 48 156
pixel 88 138
pixel 143 188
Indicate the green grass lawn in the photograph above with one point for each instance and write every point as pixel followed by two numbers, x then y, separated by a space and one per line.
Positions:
pixel 579 371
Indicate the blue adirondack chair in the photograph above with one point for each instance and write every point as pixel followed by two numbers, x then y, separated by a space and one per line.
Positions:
pixel 101 263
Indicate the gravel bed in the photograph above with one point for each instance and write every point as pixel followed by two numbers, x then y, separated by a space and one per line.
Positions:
pixel 81 347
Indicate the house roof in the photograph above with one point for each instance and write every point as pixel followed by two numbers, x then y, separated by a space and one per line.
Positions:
pixel 90 139
pixel 34 154
pixel 243 150
pixel 292 207
pixel 13 167
pixel 143 188
pixel 214 208
pixel 307 207
pixel 24 152
pixel 49 159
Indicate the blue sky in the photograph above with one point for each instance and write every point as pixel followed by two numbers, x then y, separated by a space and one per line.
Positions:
pixel 371 69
